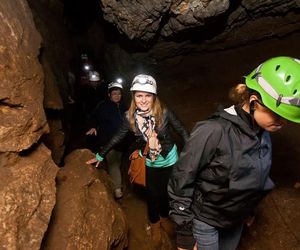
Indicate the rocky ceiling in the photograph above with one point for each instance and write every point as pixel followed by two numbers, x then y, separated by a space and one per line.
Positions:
pixel 154 31
pixel 201 24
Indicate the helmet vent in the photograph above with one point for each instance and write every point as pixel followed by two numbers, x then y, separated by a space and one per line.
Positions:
pixel 277 67
pixel 255 75
pixel 295 92
pixel 288 78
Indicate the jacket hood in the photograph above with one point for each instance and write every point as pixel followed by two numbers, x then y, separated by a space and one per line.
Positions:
pixel 231 115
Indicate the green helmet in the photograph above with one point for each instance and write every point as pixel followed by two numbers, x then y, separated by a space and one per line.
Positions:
pixel 277 80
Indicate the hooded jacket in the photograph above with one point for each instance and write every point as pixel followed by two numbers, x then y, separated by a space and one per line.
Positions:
pixel 222 173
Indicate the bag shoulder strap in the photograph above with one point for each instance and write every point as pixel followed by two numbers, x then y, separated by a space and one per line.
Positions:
pixel 146 149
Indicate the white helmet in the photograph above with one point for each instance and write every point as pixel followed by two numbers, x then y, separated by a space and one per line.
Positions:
pixel 84 56
pixel 115 85
pixel 145 83
pixel 94 76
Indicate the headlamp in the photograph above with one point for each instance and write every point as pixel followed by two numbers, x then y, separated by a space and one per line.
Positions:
pixel 142 80
pixel 86 67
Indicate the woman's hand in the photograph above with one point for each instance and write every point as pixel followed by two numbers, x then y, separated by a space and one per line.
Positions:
pixel 92 131
pixel 92 161
pixel 249 220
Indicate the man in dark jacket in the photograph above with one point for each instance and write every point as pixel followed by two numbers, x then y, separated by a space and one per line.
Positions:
pixel 104 122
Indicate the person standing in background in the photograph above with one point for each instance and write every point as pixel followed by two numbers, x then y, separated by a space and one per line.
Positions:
pixel 104 122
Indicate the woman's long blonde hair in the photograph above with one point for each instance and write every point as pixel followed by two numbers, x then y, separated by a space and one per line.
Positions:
pixel 157 111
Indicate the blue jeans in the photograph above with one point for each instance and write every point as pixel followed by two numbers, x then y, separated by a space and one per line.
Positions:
pixel 211 238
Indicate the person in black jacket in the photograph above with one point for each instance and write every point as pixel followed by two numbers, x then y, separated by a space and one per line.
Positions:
pixel 104 122
pixel 223 170
pixel 150 121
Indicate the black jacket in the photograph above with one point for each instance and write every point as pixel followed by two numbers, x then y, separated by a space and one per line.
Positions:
pixel 222 173
pixel 107 118
pixel 163 134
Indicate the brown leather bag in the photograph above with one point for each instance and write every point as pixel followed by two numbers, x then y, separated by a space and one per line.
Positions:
pixel 137 168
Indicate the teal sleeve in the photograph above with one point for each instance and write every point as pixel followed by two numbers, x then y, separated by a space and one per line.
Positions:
pixel 99 157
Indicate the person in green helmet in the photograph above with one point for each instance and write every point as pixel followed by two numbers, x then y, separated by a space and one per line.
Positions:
pixel 223 170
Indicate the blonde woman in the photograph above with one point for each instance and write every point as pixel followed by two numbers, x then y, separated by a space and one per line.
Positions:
pixel 150 121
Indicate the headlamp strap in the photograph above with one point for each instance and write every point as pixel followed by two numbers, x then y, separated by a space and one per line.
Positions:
pixel 266 86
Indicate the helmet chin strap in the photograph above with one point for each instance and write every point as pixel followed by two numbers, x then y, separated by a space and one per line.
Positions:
pixel 252 108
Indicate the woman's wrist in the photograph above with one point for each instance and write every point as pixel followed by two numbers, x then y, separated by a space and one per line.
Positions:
pixel 99 157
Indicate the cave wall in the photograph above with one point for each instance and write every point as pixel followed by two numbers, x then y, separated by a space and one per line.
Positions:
pixel 23 119
pixel 27 172
pixel 58 57
pixel 35 58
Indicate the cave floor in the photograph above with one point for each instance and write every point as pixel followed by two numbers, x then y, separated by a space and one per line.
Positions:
pixel 275 221
pixel 134 206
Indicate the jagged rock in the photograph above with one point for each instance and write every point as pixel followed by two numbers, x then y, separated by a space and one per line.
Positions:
pixel 52 98
pixel 189 14
pixel 137 19
pixel 86 216
pixel 27 197
pixel 57 59
pixel 55 140
pixel 27 172
pixel 22 117
pixel 148 19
